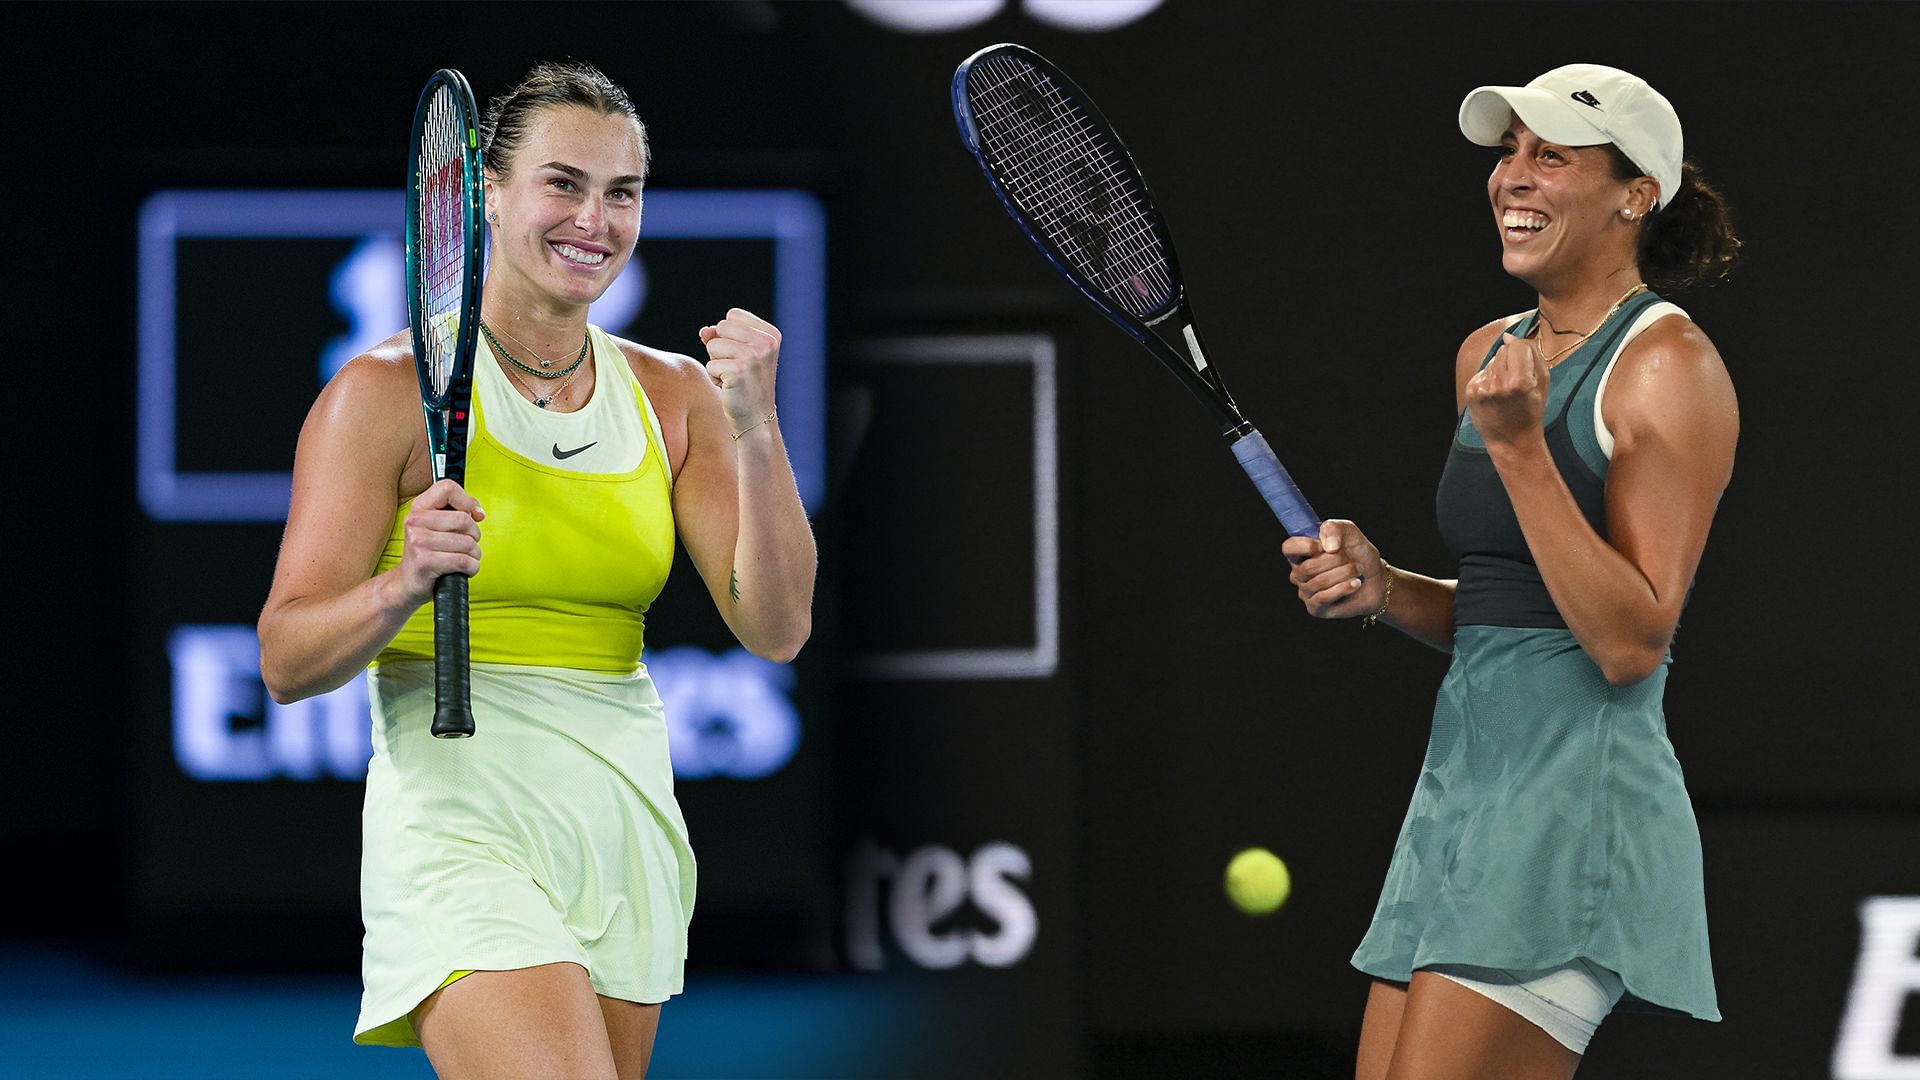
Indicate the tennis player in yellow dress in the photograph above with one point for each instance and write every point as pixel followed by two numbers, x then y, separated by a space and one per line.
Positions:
pixel 526 892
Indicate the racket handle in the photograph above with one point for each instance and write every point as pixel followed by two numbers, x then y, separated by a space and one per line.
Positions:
pixel 1267 474
pixel 452 714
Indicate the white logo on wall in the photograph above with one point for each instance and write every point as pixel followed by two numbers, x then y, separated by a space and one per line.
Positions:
pixel 942 909
pixel 727 714
pixel 935 16
pixel 1885 977
pixel 225 727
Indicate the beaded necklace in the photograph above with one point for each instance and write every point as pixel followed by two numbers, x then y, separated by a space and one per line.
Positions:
pixel 538 372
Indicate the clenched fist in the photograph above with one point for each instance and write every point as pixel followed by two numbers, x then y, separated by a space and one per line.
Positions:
pixel 743 350
pixel 1507 399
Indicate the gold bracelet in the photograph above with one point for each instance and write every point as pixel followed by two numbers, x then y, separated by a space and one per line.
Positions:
pixel 755 424
pixel 1386 598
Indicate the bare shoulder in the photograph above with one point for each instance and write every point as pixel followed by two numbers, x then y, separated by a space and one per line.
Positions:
pixel 1477 344
pixel 1670 384
pixel 1473 351
pixel 371 406
pixel 1671 364
pixel 669 378
pixel 1674 343
pixel 380 380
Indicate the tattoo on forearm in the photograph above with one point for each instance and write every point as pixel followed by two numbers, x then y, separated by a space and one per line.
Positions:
pixel 733 585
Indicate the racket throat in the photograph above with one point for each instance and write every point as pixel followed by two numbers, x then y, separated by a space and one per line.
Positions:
pixel 1196 356
pixel 1194 351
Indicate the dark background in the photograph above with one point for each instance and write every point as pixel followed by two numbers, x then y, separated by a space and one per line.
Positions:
pixel 1333 228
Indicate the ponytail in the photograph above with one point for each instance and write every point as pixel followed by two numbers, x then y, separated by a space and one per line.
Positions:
pixel 1690 241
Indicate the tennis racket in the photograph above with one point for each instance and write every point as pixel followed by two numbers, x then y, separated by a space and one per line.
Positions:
pixel 1062 172
pixel 443 308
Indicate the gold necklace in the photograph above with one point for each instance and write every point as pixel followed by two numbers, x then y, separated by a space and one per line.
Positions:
pixel 538 400
pixel 1551 360
pixel 544 363
pixel 1582 337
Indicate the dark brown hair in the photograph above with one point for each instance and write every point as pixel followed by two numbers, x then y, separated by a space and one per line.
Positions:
pixel 1689 241
pixel 551 84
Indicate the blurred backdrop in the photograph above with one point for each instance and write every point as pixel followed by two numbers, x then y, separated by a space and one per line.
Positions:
pixel 1058 677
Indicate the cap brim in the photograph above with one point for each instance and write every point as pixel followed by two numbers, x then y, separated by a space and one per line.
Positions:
pixel 1485 112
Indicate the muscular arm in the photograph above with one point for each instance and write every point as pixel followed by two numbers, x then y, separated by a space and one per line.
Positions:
pixel 328 614
pixel 739 514
pixel 1671 408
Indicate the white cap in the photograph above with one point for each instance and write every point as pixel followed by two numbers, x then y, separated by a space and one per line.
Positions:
pixel 1583 105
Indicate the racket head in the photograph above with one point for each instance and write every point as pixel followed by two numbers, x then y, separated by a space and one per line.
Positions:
pixel 1063 173
pixel 1068 180
pixel 444 257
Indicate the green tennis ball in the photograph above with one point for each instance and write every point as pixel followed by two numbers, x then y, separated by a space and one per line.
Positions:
pixel 1258 882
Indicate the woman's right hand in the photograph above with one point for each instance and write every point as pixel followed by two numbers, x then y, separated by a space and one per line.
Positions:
pixel 441 536
pixel 1340 575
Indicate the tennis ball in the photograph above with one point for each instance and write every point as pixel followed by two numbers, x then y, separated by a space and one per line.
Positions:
pixel 1258 882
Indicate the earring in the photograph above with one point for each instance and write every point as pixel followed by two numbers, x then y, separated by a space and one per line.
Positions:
pixel 494 216
pixel 1626 213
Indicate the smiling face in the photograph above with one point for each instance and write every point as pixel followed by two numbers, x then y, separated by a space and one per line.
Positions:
pixel 565 216
pixel 1558 209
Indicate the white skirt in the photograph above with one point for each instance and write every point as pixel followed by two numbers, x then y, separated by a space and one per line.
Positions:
pixel 550 835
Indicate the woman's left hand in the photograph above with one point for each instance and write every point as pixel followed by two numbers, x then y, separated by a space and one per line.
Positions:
pixel 743 351
pixel 1507 399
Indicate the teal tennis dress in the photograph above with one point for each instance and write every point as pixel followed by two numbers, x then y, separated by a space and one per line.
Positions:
pixel 1551 819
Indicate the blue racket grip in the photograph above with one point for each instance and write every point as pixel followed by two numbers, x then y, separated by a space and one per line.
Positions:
pixel 1281 493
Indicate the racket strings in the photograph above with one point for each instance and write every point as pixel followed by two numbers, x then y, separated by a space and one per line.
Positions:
pixel 1073 181
pixel 441 173
pixel 1114 250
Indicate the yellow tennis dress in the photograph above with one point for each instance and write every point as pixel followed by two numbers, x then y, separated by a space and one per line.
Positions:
pixel 552 834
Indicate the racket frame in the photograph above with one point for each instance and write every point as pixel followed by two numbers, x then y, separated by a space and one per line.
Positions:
pixel 447 411
pixel 1185 354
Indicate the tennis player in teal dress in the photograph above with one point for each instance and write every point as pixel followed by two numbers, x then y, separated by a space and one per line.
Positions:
pixel 1549 868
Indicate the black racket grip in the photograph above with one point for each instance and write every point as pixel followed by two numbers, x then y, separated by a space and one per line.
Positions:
pixel 452 712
